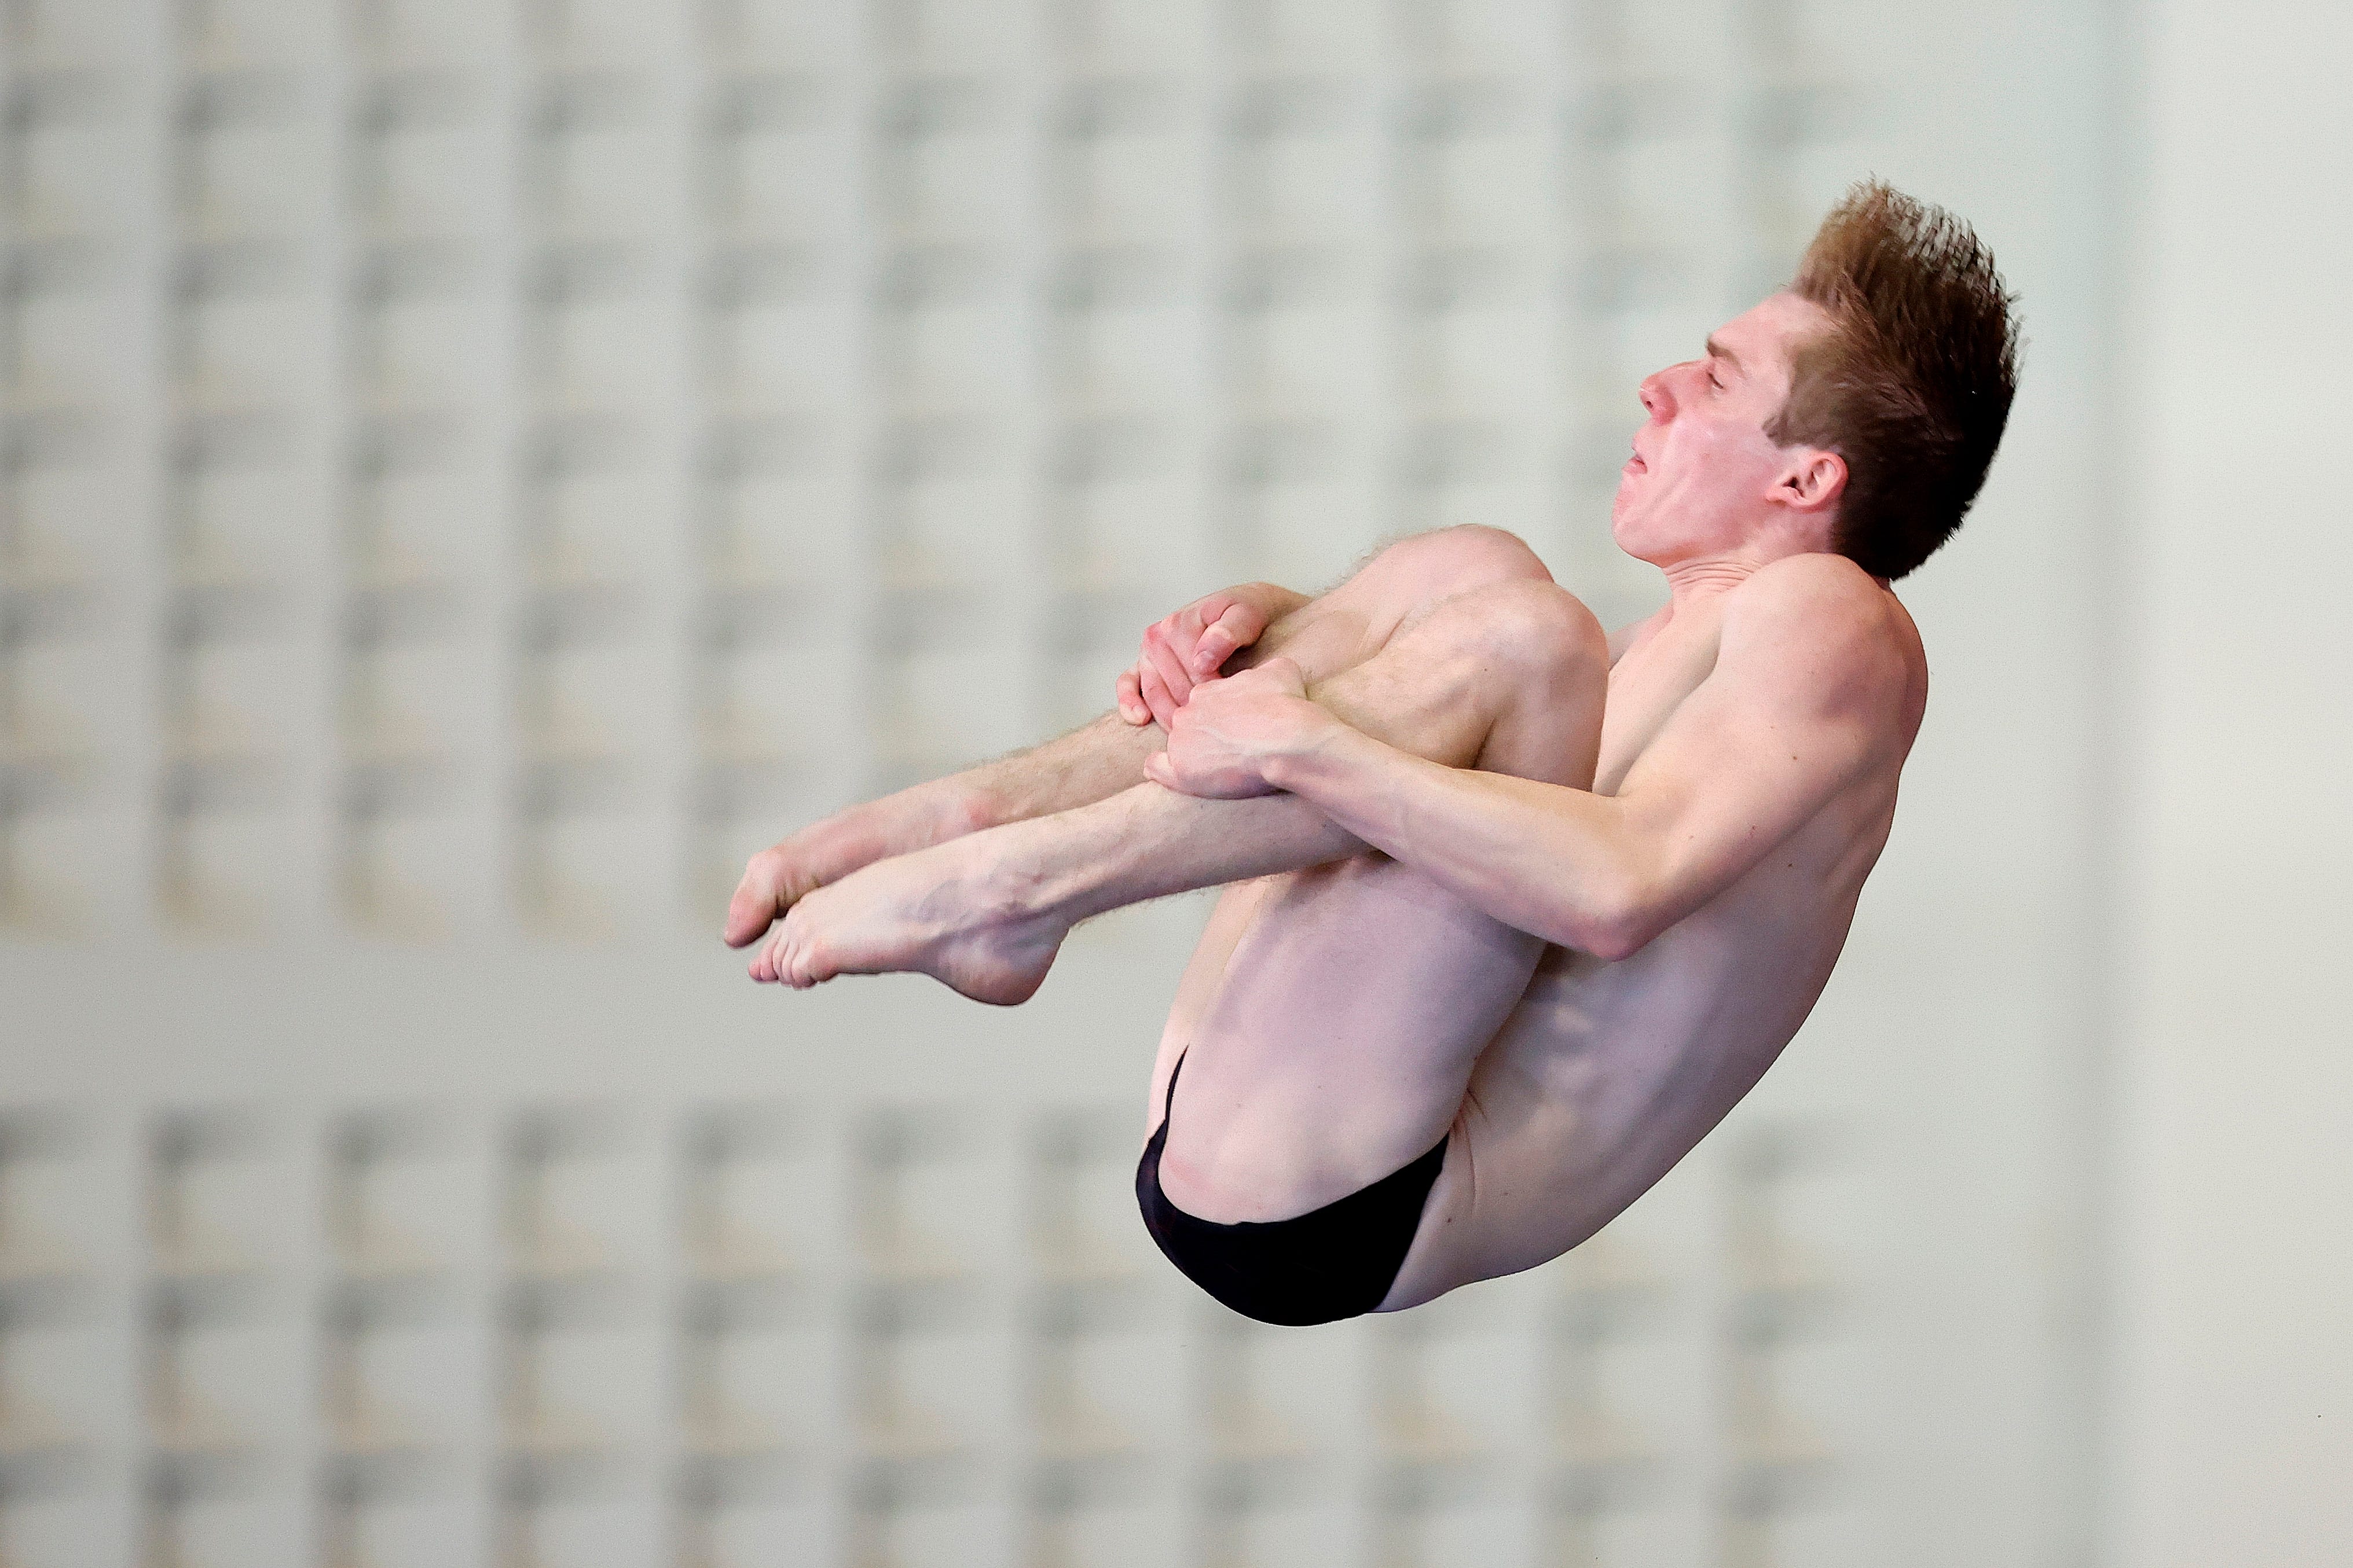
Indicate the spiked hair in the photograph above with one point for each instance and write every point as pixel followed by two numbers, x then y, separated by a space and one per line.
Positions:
pixel 1911 383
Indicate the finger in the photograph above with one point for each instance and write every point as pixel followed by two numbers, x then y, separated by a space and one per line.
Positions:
pixel 1183 636
pixel 1276 672
pixel 1238 626
pixel 1156 696
pixel 1131 698
pixel 1165 658
pixel 1208 648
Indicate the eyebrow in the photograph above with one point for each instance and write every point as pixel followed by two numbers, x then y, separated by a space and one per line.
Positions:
pixel 1718 349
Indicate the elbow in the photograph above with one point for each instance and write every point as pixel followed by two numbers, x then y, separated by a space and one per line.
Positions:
pixel 1612 941
pixel 1618 924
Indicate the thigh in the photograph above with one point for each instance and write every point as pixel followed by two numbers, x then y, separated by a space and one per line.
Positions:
pixel 1350 1009
pixel 1502 1201
pixel 1238 905
pixel 1567 1119
pixel 1332 1017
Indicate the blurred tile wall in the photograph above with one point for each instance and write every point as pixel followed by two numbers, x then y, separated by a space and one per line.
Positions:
pixel 473 472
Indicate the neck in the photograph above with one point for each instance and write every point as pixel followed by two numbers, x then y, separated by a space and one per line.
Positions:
pixel 1692 581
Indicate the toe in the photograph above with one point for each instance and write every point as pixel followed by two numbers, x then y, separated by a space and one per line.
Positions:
pixel 784 953
pixel 803 958
pixel 757 897
pixel 795 937
pixel 774 882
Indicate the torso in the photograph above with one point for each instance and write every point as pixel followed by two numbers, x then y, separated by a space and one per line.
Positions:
pixel 1608 1073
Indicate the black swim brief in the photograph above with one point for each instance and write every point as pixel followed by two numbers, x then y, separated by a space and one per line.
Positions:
pixel 1329 1263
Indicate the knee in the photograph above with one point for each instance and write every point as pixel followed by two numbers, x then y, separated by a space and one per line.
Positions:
pixel 1540 631
pixel 1428 568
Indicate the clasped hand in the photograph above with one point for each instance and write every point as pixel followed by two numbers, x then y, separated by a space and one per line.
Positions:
pixel 1230 726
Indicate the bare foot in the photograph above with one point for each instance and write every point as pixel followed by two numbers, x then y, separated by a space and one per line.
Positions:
pixel 779 876
pixel 935 912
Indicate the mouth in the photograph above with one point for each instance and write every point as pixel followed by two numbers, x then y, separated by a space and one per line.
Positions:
pixel 1634 465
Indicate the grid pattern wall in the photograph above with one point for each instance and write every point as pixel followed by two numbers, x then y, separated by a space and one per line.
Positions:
pixel 716 416
pixel 578 1333
pixel 476 470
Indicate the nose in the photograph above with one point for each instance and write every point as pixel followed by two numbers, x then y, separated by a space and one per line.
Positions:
pixel 1657 401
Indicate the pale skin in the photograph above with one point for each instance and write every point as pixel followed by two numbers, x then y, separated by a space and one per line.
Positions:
pixel 1489 878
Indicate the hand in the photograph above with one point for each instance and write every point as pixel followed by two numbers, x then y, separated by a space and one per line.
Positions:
pixel 1185 648
pixel 1222 738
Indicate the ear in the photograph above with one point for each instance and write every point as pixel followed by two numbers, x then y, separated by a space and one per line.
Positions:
pixel 1811 483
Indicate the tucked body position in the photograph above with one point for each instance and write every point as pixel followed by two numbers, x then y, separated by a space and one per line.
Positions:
pixel 1513 911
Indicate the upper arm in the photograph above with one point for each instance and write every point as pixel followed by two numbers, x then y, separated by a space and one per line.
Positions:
pixel 1810 689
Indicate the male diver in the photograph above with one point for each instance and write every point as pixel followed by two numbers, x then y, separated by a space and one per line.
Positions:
pixel 1513 913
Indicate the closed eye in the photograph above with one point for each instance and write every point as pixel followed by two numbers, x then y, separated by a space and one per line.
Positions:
pixel 1718 354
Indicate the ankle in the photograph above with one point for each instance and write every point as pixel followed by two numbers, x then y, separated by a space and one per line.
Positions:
pixel 1014 873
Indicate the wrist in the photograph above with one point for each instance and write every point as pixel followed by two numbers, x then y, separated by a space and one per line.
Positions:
pixel 1309 752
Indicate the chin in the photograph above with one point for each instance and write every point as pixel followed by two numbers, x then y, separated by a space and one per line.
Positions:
pixel 1626 529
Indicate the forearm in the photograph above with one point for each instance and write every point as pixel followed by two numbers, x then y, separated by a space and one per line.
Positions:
pixel 1106 755
pixel 1542 858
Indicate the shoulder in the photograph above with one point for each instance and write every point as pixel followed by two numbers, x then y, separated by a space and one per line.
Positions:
pixel 1817 601
pixel 1623 639
pixel 1817 584
pixel 1824 618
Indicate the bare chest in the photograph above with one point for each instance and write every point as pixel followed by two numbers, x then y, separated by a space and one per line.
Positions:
pixel 1647 684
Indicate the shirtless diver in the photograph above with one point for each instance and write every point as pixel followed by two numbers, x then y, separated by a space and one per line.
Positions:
pixel 1513 913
